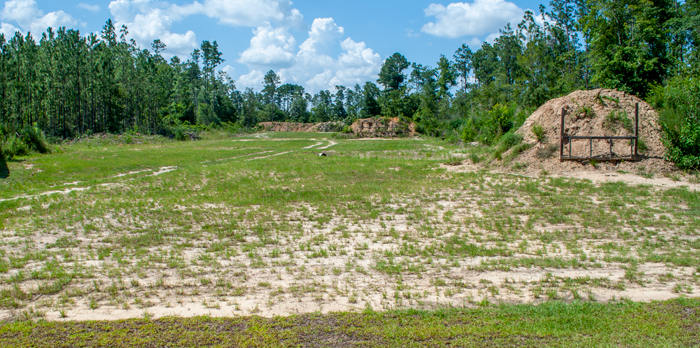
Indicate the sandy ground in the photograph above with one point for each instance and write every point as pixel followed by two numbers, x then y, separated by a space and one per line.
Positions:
pixel 347 277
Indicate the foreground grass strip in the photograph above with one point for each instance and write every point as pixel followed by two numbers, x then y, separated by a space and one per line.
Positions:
pixel 674 323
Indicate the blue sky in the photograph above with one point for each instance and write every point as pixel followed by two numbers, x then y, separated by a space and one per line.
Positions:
pixel 317 44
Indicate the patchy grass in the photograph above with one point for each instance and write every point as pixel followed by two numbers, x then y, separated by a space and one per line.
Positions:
pixel 262 225
pixel 673 323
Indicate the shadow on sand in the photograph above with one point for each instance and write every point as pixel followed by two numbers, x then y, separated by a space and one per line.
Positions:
pixel 4 171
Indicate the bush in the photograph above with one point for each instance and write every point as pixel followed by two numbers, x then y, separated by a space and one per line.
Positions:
pixel 180 134
pixel 680 120
pixel 538 131
pixel 14 146
pixel 35 139
pixel 507 141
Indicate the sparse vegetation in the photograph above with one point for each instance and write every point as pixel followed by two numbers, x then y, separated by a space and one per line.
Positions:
pixel 206 224
pixel 618 118
pixel 538 131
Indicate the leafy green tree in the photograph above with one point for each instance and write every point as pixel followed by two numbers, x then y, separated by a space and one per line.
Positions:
pixel 391 75
pixel 447 77
pixel 463 65
pixel 370 105
pixel 629 41
pixel 271 80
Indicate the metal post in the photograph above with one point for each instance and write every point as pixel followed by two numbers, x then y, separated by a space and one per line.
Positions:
pixel 561 137
pixel 591 154
pixel 636 130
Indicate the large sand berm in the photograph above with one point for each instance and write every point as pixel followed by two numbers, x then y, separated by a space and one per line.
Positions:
pixel 602 102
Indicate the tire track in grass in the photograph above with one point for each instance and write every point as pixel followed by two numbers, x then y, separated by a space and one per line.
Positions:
pixel 160 171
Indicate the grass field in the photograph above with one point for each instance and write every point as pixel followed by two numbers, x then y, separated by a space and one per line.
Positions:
pixel 144 227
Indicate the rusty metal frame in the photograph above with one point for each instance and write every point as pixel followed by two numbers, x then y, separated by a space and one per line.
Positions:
pixel 610 157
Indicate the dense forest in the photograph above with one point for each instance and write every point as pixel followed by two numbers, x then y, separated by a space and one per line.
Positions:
pixel 64 84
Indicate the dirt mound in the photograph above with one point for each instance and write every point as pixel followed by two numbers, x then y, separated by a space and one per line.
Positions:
pixel 599 112
pixel 301 127
pixel 382 127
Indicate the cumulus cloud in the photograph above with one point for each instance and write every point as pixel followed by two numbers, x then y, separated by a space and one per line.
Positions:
pixel 28 16
pixel 151 19
pixel 251 13
pixel 8 30
pixel 229 70
pixel 270 48
pixel 463 19
pixel 147 21
pixel 253 79
pixel 312 66
pixel 91 8
pixel 324 32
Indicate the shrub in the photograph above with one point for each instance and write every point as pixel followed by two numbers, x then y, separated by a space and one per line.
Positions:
pixel 509 140
pixel 475 158
pixel 617 117
pixel 538 131
pixel 680 120
pixel 35 139
pixel 469 131
pixel 585 112
pixel 180 134
pixel 14 146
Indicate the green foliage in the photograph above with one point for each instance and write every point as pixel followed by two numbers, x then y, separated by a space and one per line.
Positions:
pixel 469 132
pixel 498 120
pixel 507 141
pixel 35 139
pixel 31 139
pixel 585 112
pixel 641 145
pixel 14 146
pixel 391 75
pixel 680 119
pixel 538 131
pixel 617 118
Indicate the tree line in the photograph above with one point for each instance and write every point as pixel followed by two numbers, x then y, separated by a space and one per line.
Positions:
pixel 68 85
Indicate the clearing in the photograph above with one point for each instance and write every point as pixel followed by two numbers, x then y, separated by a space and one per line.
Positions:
pixel 263 225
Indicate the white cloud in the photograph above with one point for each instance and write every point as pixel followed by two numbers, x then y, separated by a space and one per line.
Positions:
pixel 492 37
pixel 28 16
pixel 229 70
pixel 474 43
pixel 312 66
pixel 147 22
pixel 270 48
pixel 152 19
pixel 251 13
pixel 91 8
pixel 477 18
pixel 324 32
pixel 54 20
pixel 8 29
pixel 20 11
pixel 253 79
